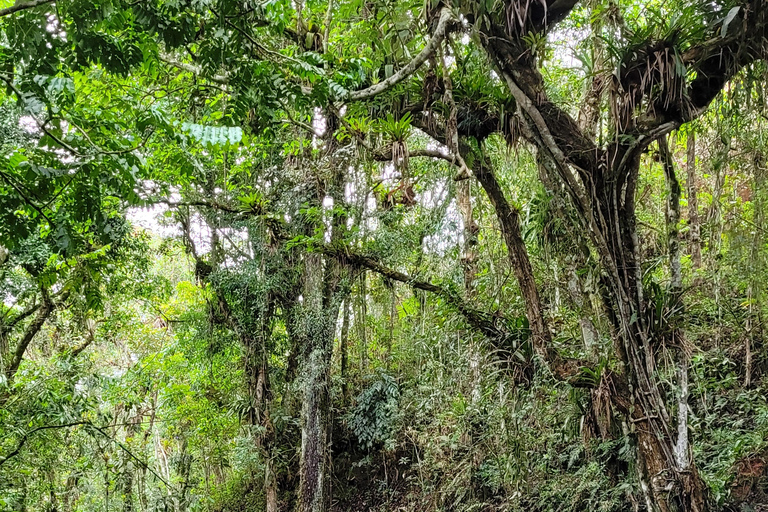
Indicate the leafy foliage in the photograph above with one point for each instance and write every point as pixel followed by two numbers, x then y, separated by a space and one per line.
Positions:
pixel 375 416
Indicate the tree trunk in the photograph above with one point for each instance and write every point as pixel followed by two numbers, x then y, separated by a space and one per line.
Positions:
pixel 344 349
pixel 361 319
pixel 614 234
pixel 694 225
pixel 469 265
pixel 314 432
pixel 682 446
pixel 326 286
pixel 270 486
pixel 589 333
pixel 128 487
pixel 509 222
pixel 183 470
pixel 258 384
pixel 601 181
pixel 672 217
pixel 392 318
pixel 317 331
pixel 755 289
pixel 469 256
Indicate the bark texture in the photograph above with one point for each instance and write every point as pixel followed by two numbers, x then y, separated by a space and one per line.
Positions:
pixel 509 222
pixel 601 182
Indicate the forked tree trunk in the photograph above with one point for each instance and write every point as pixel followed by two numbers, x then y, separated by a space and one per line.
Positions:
pixel 602 182
pixel 671 488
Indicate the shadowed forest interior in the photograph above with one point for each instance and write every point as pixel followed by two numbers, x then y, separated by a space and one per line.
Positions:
pixel 378 255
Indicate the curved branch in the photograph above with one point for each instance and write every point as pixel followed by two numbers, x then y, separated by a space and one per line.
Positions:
pixel 26 436
pixel 484 322
pixel 491 325
pixel 21 316
pixel 408 69
pixel 143 464
pixel 84 423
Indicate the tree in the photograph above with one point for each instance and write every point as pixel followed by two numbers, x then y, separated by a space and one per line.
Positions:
pixel 649 97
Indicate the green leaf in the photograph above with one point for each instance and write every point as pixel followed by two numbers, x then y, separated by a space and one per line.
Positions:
pixel 214 136
pixel 728 19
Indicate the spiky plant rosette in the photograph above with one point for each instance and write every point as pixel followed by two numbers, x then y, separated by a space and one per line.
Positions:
pixel 397 132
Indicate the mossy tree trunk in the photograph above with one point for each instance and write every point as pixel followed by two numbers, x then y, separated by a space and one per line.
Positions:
pixel 326 283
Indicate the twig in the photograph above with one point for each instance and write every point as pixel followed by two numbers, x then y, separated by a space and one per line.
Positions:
pixel 25 198
pixel 191 68
pixel 85 423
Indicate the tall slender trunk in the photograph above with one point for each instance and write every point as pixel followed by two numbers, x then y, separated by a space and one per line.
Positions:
pixel 326 286
pixel 344 349
pixel 509 222
pixel 360 320
pixel 184 461
pixel 315 374
pixel 392 319
pixel 694 225
pixel 318 328
pixel 469 265
pixel 756 267
pixel 682 447
pixel 672 216
pixel 70 492
pixel 258 384
pixel 127 490
pixel 575 259
pixel 589 334
pixel 469 255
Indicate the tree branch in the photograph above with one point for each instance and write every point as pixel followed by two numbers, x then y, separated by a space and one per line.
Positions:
pixel 491 325
pixel 42 126
pixel 21 316
pixel 26 436
pixel 484 322
pixel 143 464
pixel 86 342
pixel 21 6
pixel 191 68
pixel 85 423
pixel 46 308
pixel 408 69
pixel 384 154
